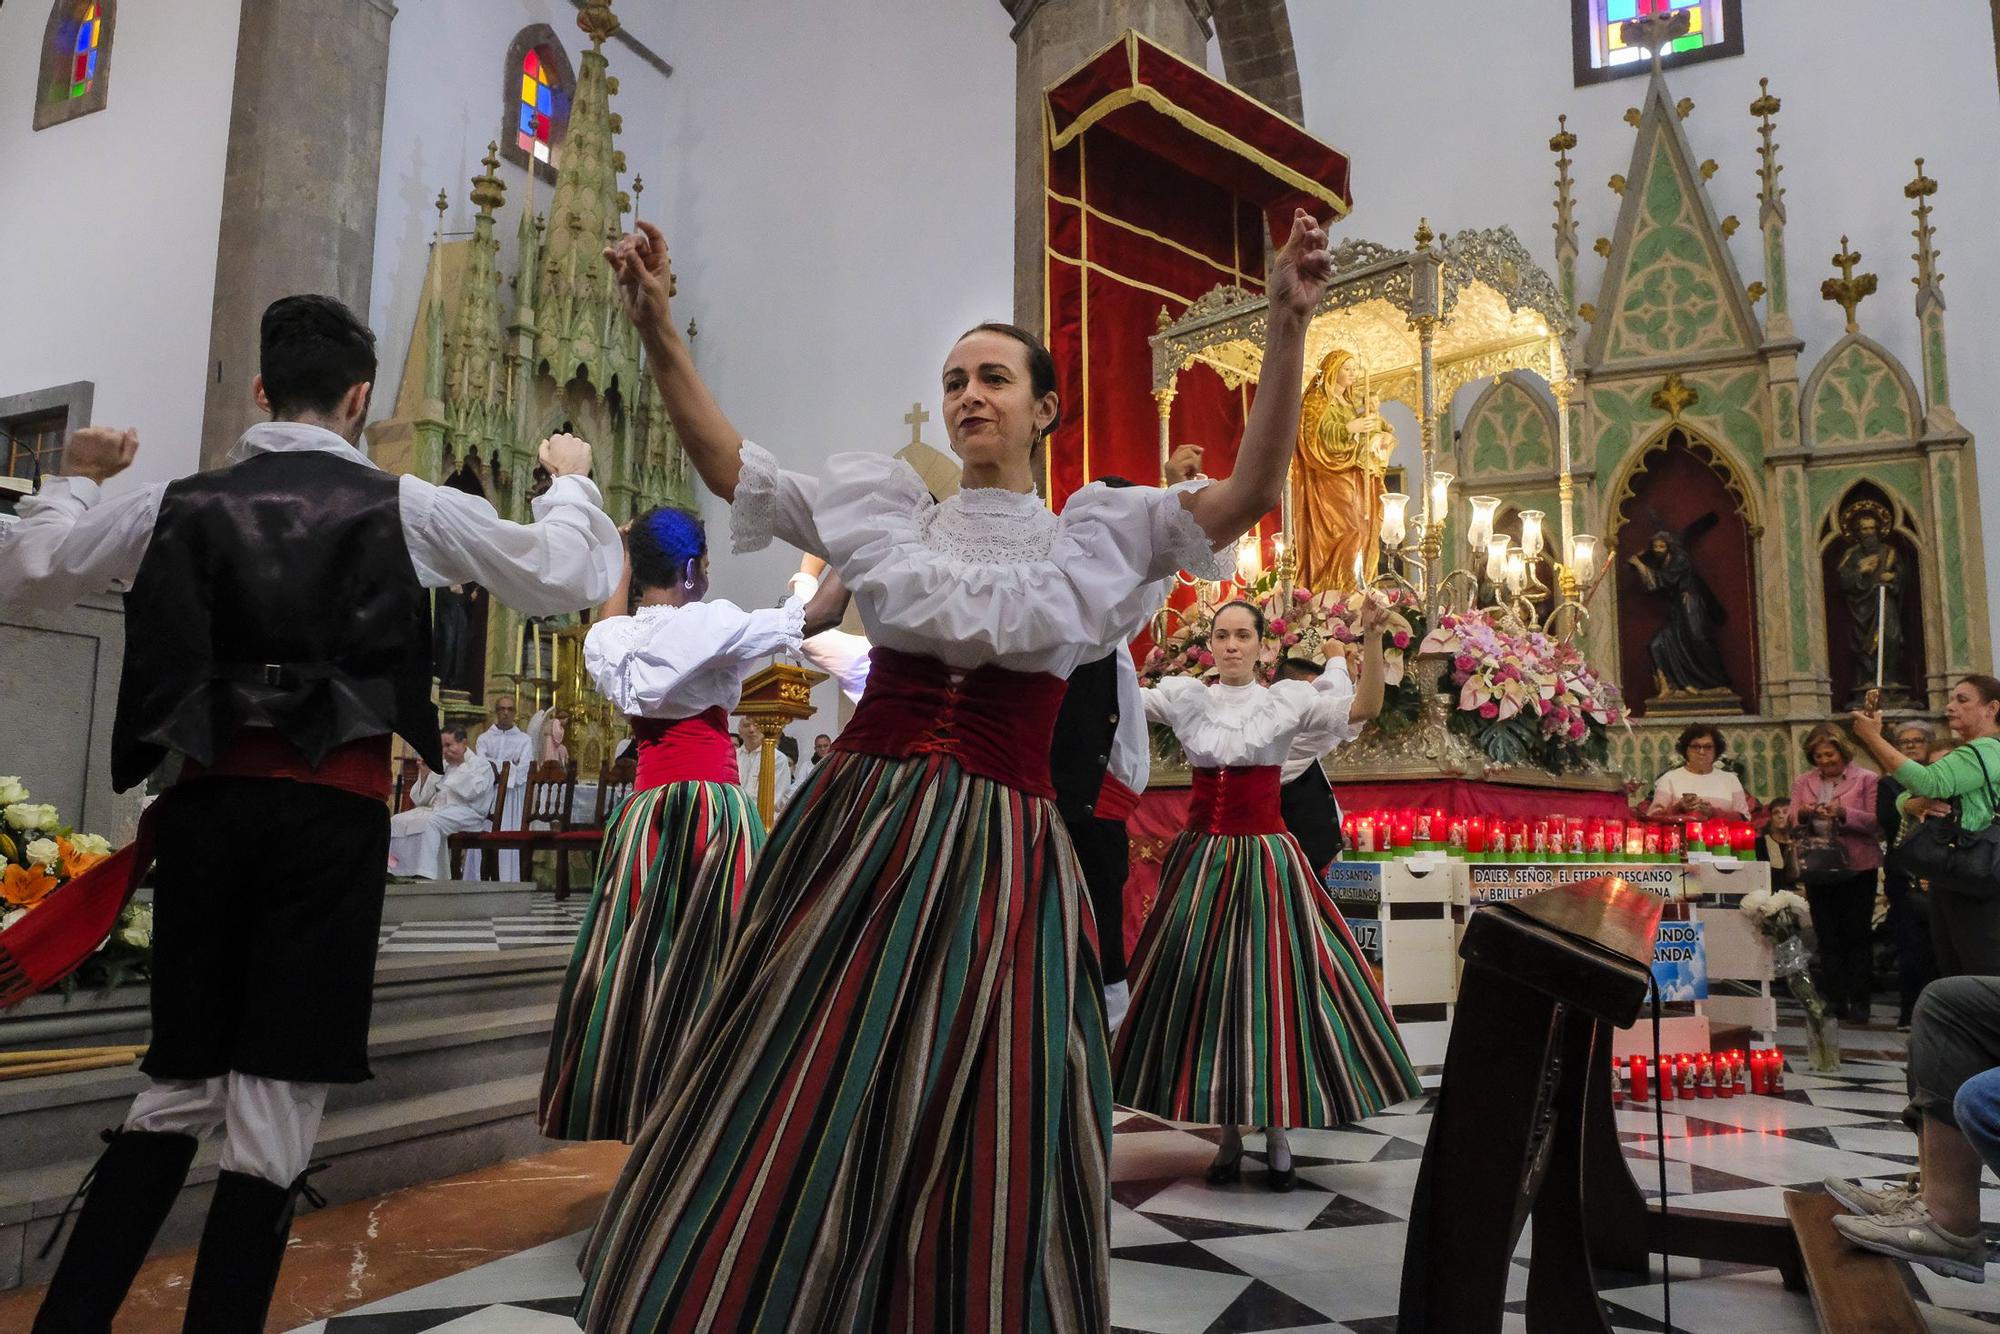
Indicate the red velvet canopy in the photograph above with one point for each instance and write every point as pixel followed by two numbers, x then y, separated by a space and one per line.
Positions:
pixel 1161 183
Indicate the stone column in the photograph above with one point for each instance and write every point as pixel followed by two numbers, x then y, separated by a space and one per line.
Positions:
pixel 1051 38
pixel 299 184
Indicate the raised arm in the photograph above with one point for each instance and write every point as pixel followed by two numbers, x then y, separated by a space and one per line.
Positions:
pixel 1368 693
pixel 71 542
pixel 1227 509
pixel 645 285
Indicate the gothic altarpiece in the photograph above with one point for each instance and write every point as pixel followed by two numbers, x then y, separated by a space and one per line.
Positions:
pixel 1806 508
pixel 487 381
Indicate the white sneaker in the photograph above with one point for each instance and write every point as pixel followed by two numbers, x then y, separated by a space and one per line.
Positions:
pixel 1117 999
pixel 1868 1201
pixel 1912 1234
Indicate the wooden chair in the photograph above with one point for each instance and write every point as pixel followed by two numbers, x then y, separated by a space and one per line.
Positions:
pixel 459 844
pixel 615 782
pixel 551 788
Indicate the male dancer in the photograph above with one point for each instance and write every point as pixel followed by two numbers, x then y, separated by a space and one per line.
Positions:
pixel 277 634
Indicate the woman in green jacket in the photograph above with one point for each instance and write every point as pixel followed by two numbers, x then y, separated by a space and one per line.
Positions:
pixel 1965 927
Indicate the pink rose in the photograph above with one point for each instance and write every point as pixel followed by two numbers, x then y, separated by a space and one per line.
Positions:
pixel 1465 662
pixel 1489 710
pixel 1401 639
pixel 1205 658
pixel 1577 730
pixel 1278 626
pixel 1301 595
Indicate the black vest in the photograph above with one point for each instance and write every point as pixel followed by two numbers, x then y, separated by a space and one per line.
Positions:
pixel 1084 730
pixel 276 592
pixel 1312 817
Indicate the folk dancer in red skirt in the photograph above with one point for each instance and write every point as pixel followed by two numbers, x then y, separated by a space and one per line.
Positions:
pixel 1251 1004
pixel 896 1111
pixel 277 632
pixel 677 852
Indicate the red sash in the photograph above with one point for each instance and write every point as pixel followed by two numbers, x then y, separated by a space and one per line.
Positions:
pixel 994 722
pixel 53 941
pixel 697 749
pixel 1241 799
pixel 1115 801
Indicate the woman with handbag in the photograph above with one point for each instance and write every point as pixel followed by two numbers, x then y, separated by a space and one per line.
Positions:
pixel 1955 845
pixel 1836 838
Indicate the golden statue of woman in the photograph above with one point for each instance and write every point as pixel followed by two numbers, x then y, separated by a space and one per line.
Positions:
pixel 1344 449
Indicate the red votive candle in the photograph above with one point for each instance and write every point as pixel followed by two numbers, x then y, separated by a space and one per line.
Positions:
pixel 1670 1075
pixel 1641 1087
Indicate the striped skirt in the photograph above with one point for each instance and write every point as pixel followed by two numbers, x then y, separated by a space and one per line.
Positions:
pixel 651 945
pixel 896 1114
pixel 1251 1004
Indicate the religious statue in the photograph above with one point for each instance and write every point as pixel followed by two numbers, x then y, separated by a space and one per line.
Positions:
pixel 455 650
pixel 1344 449
pixel 1872 578
pixel 1686 651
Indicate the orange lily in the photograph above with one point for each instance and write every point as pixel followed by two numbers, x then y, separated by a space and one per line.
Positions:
pixel 76 862
pixel 25 886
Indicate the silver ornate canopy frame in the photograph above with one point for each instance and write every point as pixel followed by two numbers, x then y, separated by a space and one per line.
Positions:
pixel 1425 321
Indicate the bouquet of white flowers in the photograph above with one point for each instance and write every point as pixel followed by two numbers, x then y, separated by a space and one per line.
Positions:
pixel 1780 917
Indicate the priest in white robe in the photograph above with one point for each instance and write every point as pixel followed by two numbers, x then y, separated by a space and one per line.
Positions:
pixel 457 801
pixel 505 743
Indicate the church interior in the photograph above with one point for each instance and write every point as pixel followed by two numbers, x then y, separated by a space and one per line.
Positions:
pixel 1628 453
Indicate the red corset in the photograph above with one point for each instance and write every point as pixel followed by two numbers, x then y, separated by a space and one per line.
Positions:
pixel 1241 799
pixel 684 750
pixel 997 724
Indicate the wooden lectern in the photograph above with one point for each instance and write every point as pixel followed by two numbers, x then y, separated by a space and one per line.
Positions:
pixel 1523 1125
pixel 776 695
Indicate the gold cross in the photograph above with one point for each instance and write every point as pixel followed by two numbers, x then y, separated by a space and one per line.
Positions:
pixel 1850 288
pixel 916 417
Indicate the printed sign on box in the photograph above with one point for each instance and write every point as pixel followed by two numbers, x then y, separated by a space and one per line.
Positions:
pixel 1354 882
pixel 1367 938
pixel 1507 881
pixel 1680 962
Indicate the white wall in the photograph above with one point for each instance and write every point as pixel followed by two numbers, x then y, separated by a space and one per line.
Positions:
pixel 1447 110
pixel 108 223
pixel 840 209
pixel 444 106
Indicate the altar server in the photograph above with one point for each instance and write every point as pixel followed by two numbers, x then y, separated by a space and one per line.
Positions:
pixel 505 743
pixel 896 1112
pixel 677 851
pixel 277 634
pixel 1251 1004
pixel 456 800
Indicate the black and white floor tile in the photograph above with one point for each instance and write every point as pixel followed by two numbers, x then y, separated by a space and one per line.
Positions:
pixel 1190 1258
pixel 545 923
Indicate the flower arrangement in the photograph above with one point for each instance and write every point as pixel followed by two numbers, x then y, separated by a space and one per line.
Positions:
pixel 1299 623
pixel 1525 697
pixel 39 854
pixel 1780 917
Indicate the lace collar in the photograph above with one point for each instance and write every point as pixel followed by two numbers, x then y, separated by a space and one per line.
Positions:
pixel 990 526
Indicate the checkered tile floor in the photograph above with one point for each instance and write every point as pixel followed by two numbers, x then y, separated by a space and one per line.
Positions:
pixel 1190 1258
pixel 545 923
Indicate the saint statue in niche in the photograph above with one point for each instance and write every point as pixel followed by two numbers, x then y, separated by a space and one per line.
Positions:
pixel 1686 651
pixel 1872 579
pixel 456 643
pixel 1344 449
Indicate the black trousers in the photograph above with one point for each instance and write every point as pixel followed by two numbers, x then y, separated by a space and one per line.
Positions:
pixel 1841 913
pixel 1311 817
pixel 1910 928
pixel 267 916
pixel 1105 851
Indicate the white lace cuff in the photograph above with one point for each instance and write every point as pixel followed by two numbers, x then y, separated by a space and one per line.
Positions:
pixel 1188 545
pixel 753 514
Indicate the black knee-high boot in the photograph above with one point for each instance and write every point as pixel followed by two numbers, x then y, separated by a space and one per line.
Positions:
pixel 126 1198
pixel 242 1248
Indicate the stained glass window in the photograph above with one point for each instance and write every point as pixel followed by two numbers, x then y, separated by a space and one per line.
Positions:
pixel 537 109
pixel 1611 49
pixel 89 30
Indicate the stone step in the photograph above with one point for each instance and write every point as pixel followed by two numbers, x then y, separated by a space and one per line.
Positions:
pixel 407 986
pixel 59 1116
pixel 456 900
pixel 370 1150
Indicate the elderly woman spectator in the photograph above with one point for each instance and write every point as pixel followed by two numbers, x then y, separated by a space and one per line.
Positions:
pixel 1909 920
pixel 1699 789
pixel 1833 804
pixel 1965 923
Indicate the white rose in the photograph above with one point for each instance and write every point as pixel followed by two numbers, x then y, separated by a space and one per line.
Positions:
pixel 12 790
pixel 50 821
pixel 42 852
pixel 21 815
pixel 137 937
pixel 94 845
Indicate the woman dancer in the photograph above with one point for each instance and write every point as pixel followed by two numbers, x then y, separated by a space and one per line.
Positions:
pixel 1251 1003
pixel 896 1111
pixel 677 851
